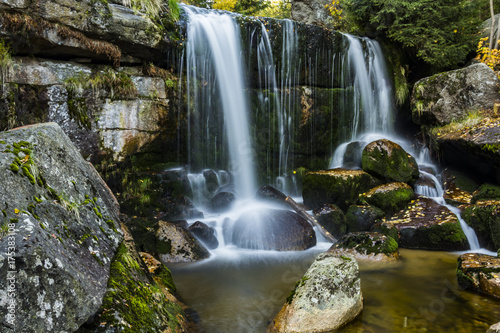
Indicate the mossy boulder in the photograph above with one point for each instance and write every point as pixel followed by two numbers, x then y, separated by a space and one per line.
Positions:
pixel 389 161
pixel 458 187
pixel 486 192
pixel 136 283
pixel 389 197
pixel 327 297
pixel 371 246
pixel 176 244
pixel 362 217
pixel 273 229
pixel 426 225
pixel 479 272
pixel 341 187
pixel 331 218
pixel 485 220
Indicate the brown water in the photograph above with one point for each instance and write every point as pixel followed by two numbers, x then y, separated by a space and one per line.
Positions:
pixel 243 292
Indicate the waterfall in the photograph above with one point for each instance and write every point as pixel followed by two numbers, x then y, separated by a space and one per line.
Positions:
pixel 214 68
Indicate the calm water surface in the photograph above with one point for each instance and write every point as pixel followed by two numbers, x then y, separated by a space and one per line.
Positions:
pixel 241 291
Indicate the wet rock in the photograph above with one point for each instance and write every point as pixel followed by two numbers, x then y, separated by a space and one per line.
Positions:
pixel 386 228
pixel 271 229
pixel 494 328
pixel 331 218
pixel 222 201
pixel 338 186
pixel 269 193
pixel 353 154
pixel 424 224
pixel 486 192
pixel 389 197
pixel 135 281
pixel 211 180
pixel 327 297
pixel 425 186
pixel 63 221
pixel 479 272
pixel 484 218
pixel 389 161
pixel 176 244
pixel 366 246
pixel 362 218
pixel 205 234
pixel 448 96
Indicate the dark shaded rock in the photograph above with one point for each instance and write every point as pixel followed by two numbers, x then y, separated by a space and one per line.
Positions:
pixel 136 281
pixel 388 160
pixel 386 228
pixel 269 193
pixel 205 234
pixel 222 201
pixel 338 186
pixel 362 218
pixel 458 187
pixel 211 180
pixel 331 218
pixel 389 197
pixel 442 98
pixel 327 297
pixel 479 272
pixel 486 192
pixel 353 154
pixel 485 220
pixel 176 244
pixel 271 229
pixel 63 221
pixel 366 246
pixel 424 224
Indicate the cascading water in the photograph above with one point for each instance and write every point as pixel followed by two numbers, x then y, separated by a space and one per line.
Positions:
pixel 213 59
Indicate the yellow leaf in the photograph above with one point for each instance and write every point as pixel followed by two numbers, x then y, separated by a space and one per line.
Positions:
pixel 16 211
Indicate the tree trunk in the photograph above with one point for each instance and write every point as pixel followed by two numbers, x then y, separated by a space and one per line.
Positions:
pixel 492 44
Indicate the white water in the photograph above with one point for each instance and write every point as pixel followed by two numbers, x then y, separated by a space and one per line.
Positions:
pixel 213 50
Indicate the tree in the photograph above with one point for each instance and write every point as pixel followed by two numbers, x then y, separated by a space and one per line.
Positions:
pixel 442 33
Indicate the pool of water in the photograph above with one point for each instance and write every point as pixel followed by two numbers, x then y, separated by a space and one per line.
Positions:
pixel 241 291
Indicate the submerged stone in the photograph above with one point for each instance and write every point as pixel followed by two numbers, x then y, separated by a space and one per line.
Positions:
pixel 388 160
pixel 272 229
pixel 479 272
pixel 341 187
pixel 326 298
pixel 424 224
pixel 370 246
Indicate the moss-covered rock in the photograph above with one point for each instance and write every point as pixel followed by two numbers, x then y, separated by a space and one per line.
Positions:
pixel 362 217
pixel 388 160
pixel 331 218
pixel 486 192
pixel 176 244
pixel 389 197
pixel 458 187
pixel 485 220
pixel 479 272
pixel 367 246
pixel 424 224
pixel 338 186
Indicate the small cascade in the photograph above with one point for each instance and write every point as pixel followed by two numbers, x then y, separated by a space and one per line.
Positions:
pixel 436 194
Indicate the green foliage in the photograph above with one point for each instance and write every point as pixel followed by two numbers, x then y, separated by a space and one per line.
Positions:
pixel 278 10
pixel 441 33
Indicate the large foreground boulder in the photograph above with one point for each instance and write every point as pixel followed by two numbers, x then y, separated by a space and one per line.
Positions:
pixel 327 297
pixel 341 187
pixel 426 225
pixel 389 161
pixel 371 246
pixel 59 232
pixel 479 272
pixel 439 99
pixel 272 229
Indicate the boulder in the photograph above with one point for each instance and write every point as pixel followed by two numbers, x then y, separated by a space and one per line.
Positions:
pixel 494 328
pixel 311 12
pixel 479 272
pixel 371 246
pixel 362 218
pixel 389 161
pixel 60 230
pixel 389 197
pixel 485 220
pixel 272 229
pixel 222 201
pixel 331 218
pixel 486 192
pixel 211 180
pixel 326 298
pixel 269 193
pixel 205 234
pixel 341 187
pixel 176 244
pixel 424 224
pixel 458 187
pixel 442 98
pixel 136 281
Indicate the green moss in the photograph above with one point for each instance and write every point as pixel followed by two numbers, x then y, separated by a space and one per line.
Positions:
pixel 164 247
pixel 486 192
pixel 14 167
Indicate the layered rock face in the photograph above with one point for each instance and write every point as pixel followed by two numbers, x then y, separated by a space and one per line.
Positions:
pixel 479 272
pixel 60 230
